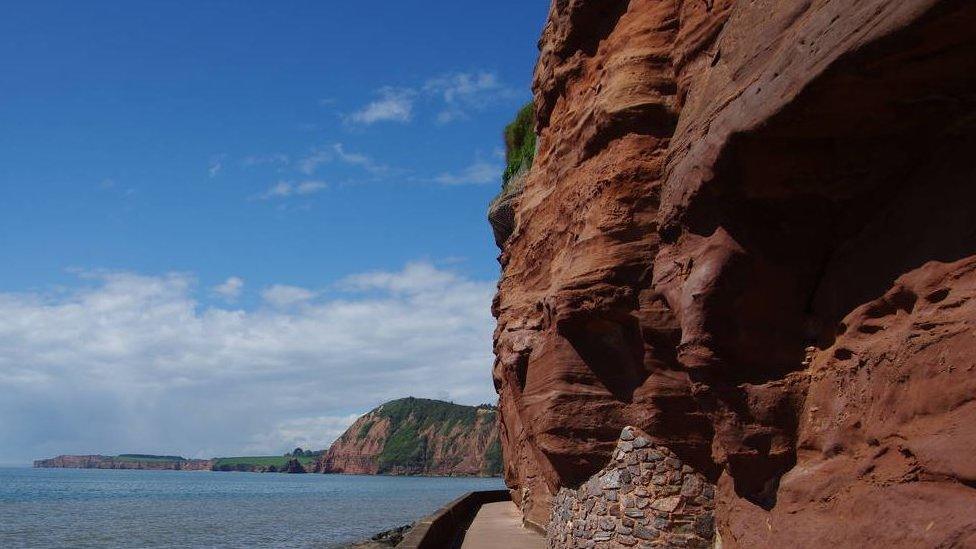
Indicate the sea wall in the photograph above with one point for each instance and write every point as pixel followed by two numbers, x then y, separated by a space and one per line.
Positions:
pixel 644 495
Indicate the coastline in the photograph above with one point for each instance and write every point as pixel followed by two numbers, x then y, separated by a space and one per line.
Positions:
pixel 190 510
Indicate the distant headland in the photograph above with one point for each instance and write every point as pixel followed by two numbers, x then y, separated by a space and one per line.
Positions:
pixel 408 436
pixel 288 463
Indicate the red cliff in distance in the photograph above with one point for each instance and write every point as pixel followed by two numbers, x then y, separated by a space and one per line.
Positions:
pixel 748 233
pixel 167 463
pixel 416 436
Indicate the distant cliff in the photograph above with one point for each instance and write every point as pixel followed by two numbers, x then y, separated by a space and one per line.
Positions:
pixel 415 436
pixel 126 461
pixel 265 464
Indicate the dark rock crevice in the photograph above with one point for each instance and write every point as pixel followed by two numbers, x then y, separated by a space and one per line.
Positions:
pixel 807 199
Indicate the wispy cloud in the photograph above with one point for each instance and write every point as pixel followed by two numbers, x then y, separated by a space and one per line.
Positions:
pixel 338 152
pixel 127 361
pixel 230 289
pixel 267 159
pixel 358 159
pixel 454 96
pixel 109 185
pixel 462 92
pixel 284 189
pixel 478 172
pixel 393 105
pixel 216 164
pixel 310 164
pixel 309 187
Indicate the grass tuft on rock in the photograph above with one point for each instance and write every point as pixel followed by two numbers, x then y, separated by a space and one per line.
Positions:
pixel 519 143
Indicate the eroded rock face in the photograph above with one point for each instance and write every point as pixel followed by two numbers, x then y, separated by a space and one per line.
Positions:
pixel 748 233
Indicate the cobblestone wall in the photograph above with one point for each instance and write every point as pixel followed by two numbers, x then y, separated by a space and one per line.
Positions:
pixel 645 497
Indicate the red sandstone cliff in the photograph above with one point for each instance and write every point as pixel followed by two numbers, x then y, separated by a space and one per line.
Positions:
pixel 117 462
pixel 414 436
pixel 748 233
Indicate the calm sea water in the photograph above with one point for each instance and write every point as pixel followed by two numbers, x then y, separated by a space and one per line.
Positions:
pixel 111 509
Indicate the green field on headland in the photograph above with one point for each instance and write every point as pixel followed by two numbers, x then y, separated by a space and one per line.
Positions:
pixel 148 457
pixel 233 463
pixel 297 461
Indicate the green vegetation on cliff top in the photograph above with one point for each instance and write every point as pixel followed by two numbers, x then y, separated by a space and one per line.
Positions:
pixel 406 447
pixel 259 461
pixel 148 457
pixel 519 143
pixel 427 412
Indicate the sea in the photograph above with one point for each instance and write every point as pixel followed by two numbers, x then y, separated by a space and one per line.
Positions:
pixel 81 508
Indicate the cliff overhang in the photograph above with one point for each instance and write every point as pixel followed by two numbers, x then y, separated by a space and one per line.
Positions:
pixel 747 233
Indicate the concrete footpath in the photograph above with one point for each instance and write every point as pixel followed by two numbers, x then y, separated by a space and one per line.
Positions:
pixel 500 525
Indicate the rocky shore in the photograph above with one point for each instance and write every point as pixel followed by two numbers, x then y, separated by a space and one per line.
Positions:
pixel 384 539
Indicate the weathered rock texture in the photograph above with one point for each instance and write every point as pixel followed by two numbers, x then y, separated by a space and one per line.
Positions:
pixel 644 495
pixel 748 232
pixel 415 436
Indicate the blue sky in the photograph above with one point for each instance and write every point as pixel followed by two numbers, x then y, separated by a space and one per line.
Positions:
pixel 181 181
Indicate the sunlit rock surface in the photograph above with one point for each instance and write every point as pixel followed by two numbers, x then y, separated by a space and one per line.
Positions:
pixel 748 233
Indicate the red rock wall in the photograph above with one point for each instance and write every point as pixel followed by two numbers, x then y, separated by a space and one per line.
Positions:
pixel 747 232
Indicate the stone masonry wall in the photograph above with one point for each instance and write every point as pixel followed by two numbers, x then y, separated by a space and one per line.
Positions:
pixel 645 497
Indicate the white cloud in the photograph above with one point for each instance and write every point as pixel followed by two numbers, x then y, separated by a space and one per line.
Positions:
pixel 230 289
pixel 309 187
pixel 357 159
pixel 216 164
pixel 127 362
pixel 309 433
pixel 393 105
pixel 282 295
pixel 416 277
pixel 280 189
pixel 460 85
pixel 454 94
pixel 478 173
pixel 311 163
pixel 337 151
pixel 462 92
pixel 285 189
pixel 268 159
